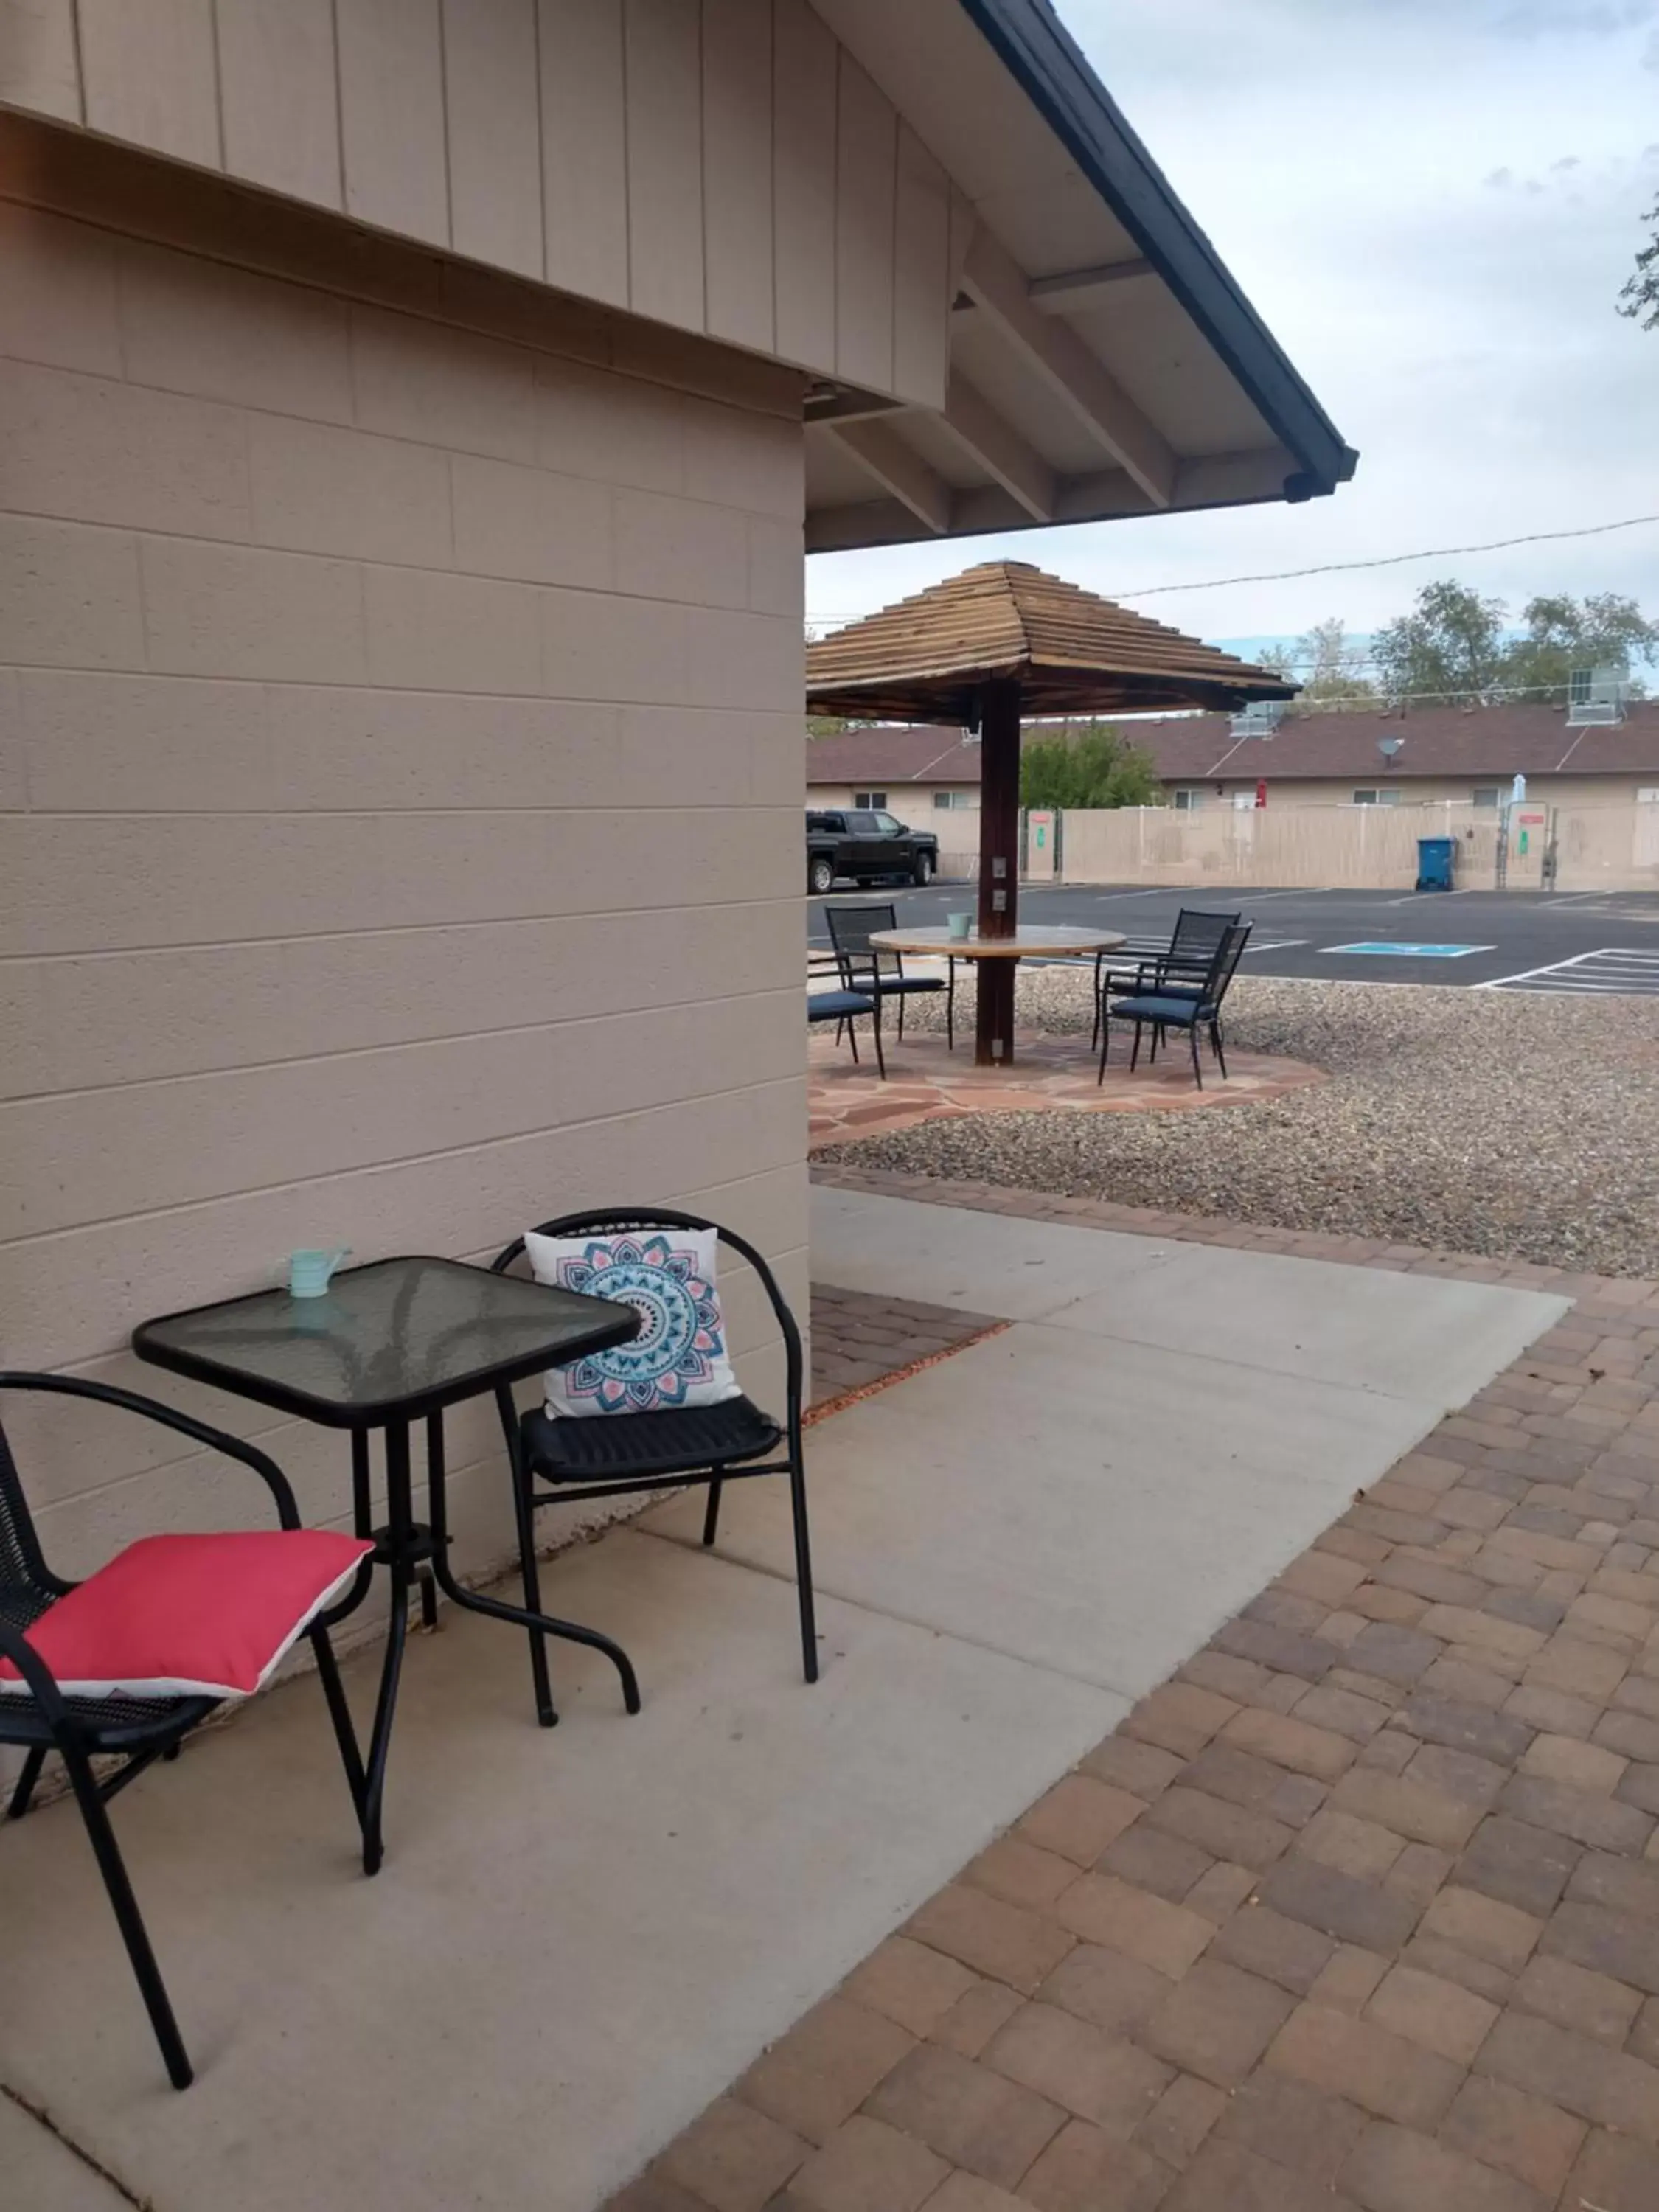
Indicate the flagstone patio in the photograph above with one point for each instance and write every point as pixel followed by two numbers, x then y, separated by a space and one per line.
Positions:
pixel 926 1082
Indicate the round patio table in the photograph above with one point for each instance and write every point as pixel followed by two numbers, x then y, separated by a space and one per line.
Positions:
pixel 1031 941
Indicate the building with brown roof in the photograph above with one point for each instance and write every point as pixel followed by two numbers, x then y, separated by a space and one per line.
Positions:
pixel 1469 756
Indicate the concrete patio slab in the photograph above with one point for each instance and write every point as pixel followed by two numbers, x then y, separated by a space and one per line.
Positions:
pixel 988 1263
pixel 1096 1489
pixel 1093 1507
pixel 1438 1340
pixel 578 1938
pixel 38 2173
pixel 1356 1326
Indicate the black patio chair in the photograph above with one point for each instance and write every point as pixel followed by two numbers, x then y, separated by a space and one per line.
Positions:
pixel 842 1004
pixel 871 968
pixel 135 1730
pixel 1183 963
pixel 1169 1007
pixel 564 1462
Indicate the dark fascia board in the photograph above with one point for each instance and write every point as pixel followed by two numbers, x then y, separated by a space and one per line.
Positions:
pixel 1046 61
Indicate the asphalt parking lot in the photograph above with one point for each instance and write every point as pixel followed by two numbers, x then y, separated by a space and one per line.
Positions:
pixel 1590 943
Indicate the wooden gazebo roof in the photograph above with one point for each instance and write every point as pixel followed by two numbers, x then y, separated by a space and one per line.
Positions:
pixel 923 660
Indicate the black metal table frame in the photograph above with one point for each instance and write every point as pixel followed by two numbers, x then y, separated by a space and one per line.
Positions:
pixel 413 1552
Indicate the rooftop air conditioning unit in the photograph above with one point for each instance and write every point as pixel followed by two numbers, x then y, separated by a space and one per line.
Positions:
pixel 1259 719
pixel 1595 697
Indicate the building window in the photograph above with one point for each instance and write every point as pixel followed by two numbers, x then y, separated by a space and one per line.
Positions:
pixel 1187 802
pixel 956 801
pixel 1486 794
pixel 869 800
pixel 1648 795
pixel 1374 797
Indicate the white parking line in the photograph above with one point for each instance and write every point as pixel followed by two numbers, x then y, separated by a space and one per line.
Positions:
pixel 1614 969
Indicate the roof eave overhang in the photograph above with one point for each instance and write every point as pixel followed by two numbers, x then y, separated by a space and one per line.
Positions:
pixel 1041 55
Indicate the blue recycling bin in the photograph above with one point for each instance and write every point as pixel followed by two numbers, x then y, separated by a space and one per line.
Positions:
pixel 1436 863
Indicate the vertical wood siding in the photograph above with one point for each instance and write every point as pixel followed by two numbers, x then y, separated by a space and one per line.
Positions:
pixel 720 166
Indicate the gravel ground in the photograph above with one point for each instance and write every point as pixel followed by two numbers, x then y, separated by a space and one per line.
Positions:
pixel 1511 1124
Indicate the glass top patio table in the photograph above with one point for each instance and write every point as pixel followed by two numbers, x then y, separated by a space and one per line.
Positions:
pixel 393 1340
pixel 390 1344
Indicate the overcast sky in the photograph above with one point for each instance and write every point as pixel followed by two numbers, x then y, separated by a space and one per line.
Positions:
pixel 1432 203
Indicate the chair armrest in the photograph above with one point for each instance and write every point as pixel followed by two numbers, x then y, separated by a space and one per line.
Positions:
pixel 41 1682
pixel 129 1401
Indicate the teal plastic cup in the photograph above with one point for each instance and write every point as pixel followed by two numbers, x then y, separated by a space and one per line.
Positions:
pixel 308 1273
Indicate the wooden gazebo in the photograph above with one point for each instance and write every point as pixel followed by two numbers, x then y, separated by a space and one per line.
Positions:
pixel 988 647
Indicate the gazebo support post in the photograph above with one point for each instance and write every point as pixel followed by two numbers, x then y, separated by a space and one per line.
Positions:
pixel 998 867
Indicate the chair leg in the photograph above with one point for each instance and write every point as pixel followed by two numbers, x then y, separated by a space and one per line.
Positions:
pixel 950 1005
pixel 1216 1047
pixel 1100 1006
pixel 339 1713
pixel 524 1508
pixel 1197 1071
pixel 101 1836
pixel 19 1803
pixel 881 1059
pixel 900 995
pixel 808 1626
pixel 1105 1046
pixel 711 1512
pixel 1135 1056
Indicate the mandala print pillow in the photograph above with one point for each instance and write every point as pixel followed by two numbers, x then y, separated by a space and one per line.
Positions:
pixel 679 1356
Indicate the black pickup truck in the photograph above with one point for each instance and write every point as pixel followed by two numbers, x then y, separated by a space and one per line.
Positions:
pixel 867 846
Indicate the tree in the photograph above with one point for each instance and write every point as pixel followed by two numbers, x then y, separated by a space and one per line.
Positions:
pixel 1639 298
pixel 1098 768
pixel 1330 667
pixel 826 725
pixel 1603 630
pixel 1449 647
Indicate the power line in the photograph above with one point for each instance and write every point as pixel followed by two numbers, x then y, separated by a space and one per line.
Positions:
pixel 1394 560
pixel 1333 567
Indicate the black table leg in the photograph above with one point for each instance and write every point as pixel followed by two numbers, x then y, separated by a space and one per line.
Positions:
pixel 400 1545
pixel 473 1602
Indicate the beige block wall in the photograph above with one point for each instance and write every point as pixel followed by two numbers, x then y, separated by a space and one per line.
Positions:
pixel 721 165
pixel 1611 846
pixel 400 793
pixel 1573 790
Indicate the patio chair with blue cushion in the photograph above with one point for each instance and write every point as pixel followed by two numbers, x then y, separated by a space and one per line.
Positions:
pixel 841 1004
pixel 870 968
pixel 131 1619
pixel 1182 965
pixel 1169 1005
pixel 560 1460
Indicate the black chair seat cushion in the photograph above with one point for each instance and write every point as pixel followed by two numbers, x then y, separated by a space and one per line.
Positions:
pixel 891 986
pixel 107 1724
pixel 835 1007
pixel 1161 1006
pixel 680 1440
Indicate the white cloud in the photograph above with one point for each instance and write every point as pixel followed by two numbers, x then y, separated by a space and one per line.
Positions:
pixel 1432 203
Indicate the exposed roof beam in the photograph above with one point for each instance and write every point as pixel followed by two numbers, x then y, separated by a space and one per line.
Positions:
pixel 848 406
pixel 1215 480
pixel 1083 287
pixel 870 522
pixel 897 468
pixel 1000 449
pixel 995 281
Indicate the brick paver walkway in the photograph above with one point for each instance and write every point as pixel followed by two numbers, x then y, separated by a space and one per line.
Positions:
pixel 858 1340
pixel 1360 1910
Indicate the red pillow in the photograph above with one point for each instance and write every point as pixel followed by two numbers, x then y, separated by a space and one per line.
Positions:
pixel 190 1616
